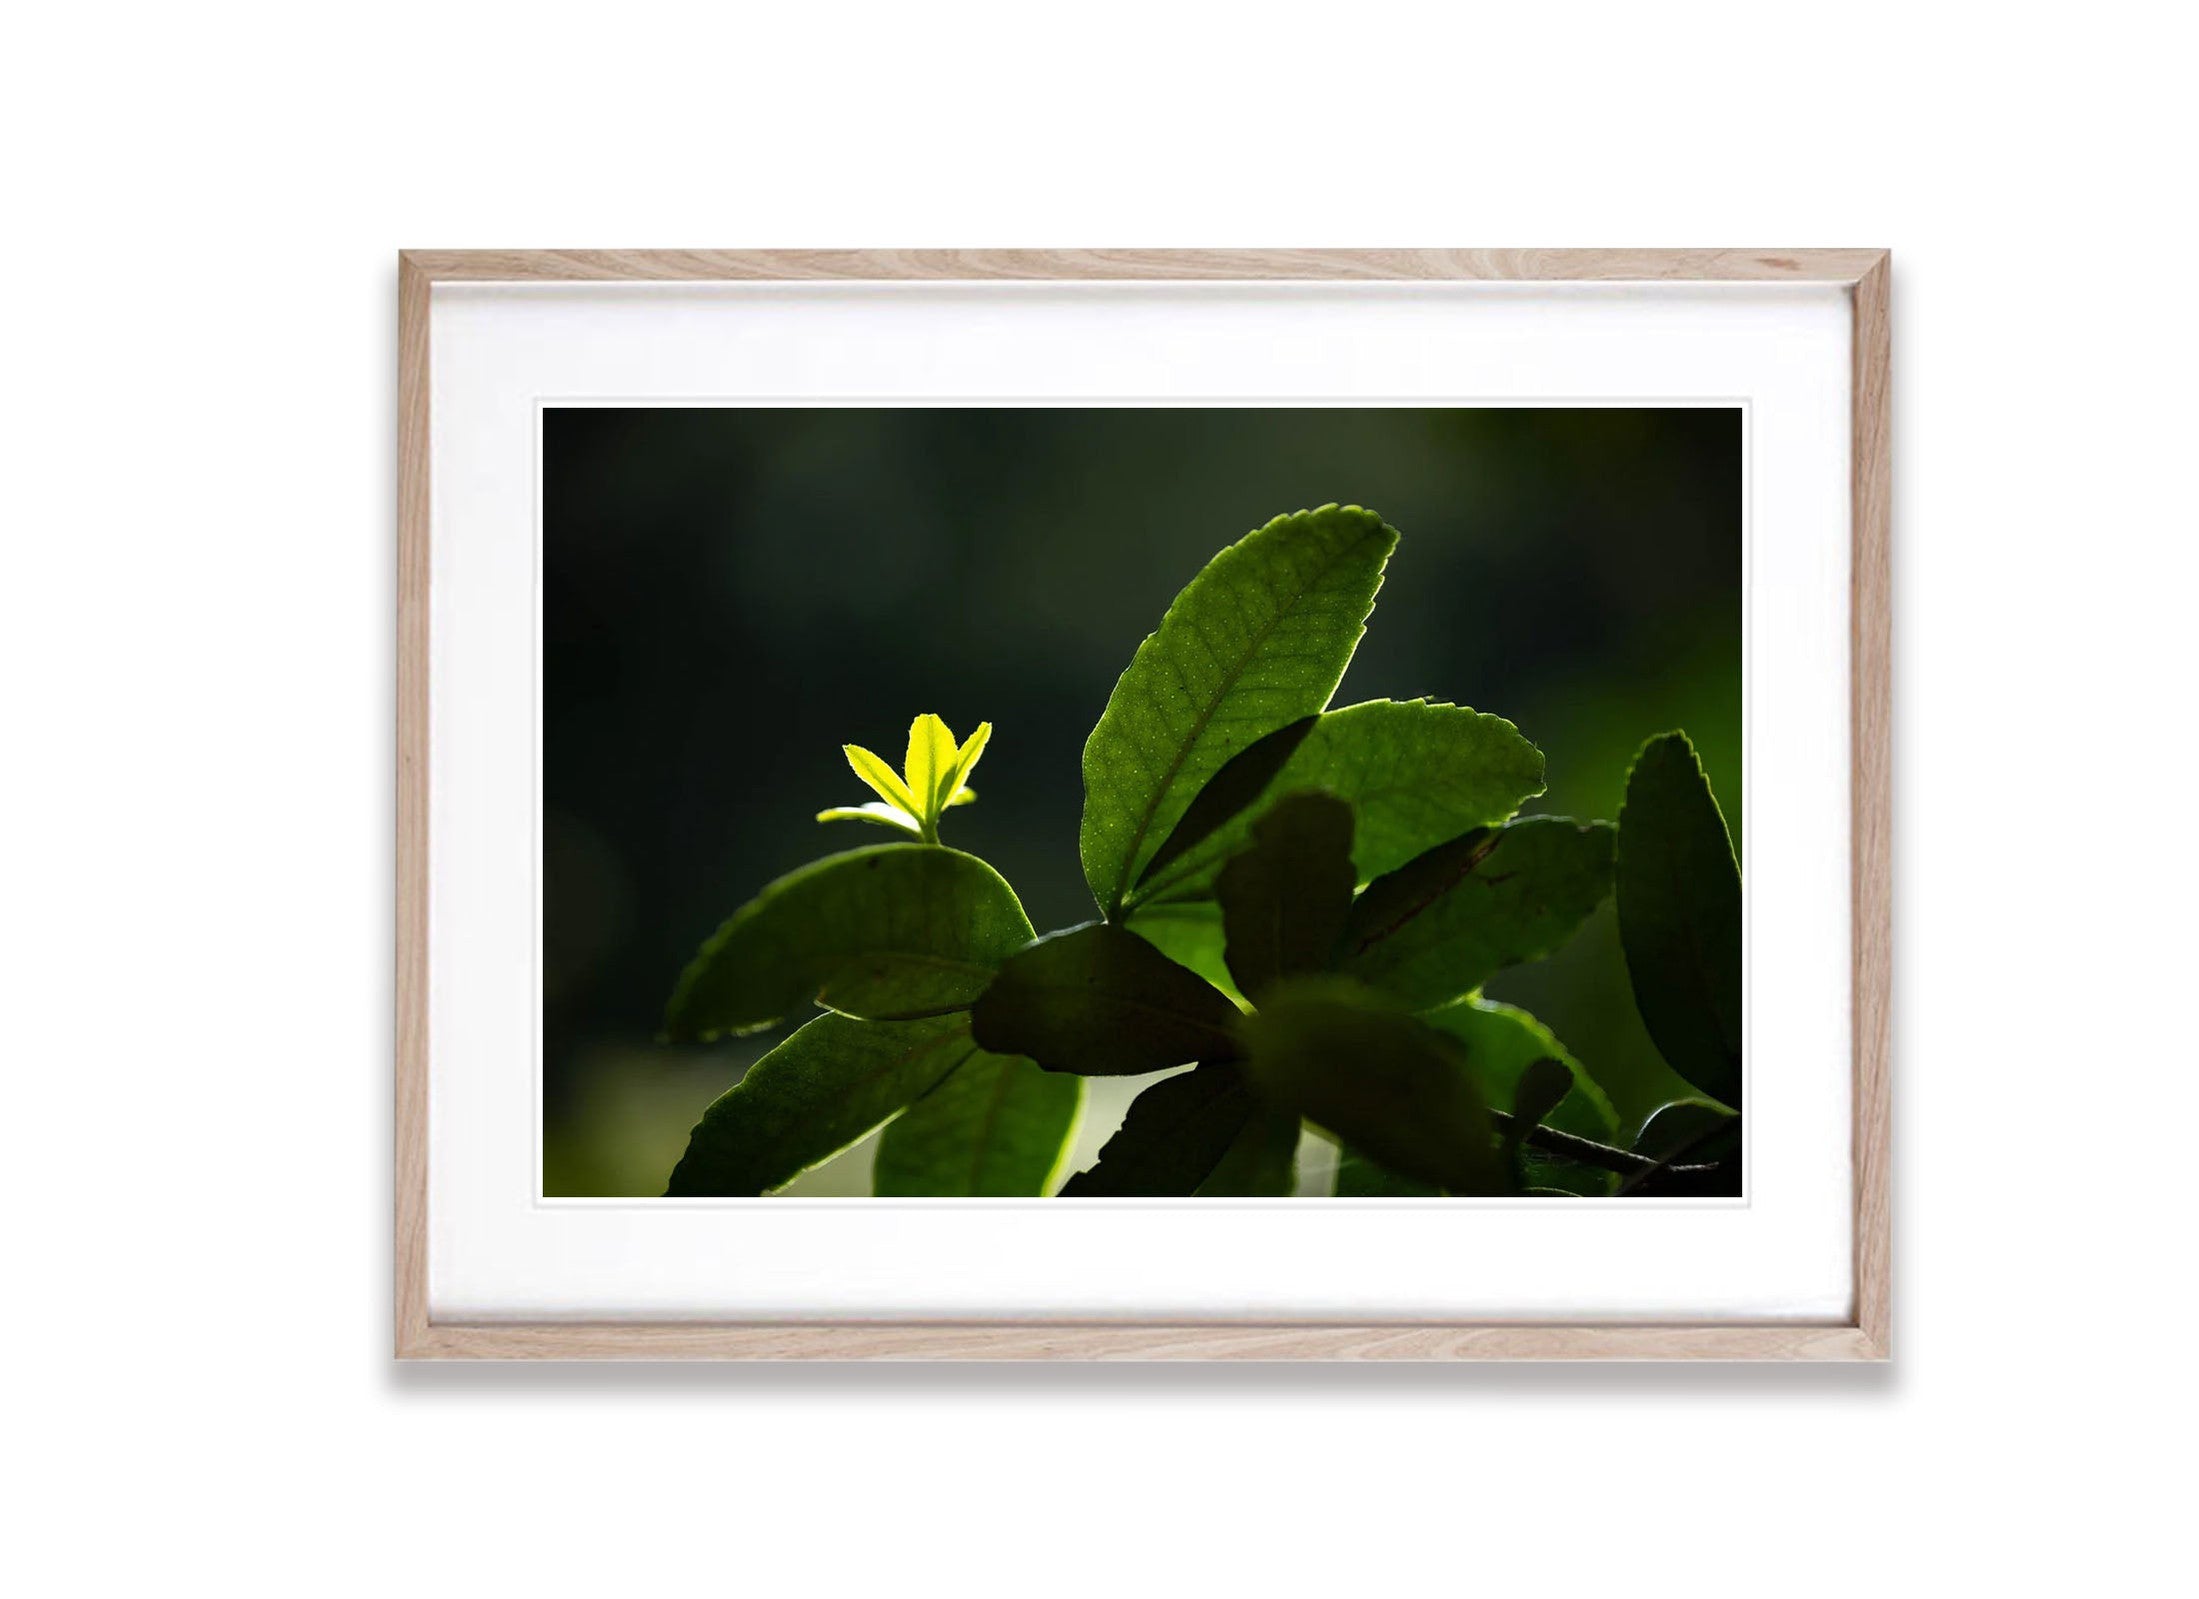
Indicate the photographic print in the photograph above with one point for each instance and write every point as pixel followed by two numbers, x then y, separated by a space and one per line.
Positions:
pixel 1188 803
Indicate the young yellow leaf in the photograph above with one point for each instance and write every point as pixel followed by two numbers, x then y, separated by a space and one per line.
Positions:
pixel 882 778
pixel 930 765
pixel 957 790
pixel 875 811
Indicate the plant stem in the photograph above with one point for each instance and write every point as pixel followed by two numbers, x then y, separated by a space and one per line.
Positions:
pixel 1584 1150
pixel 1671 1162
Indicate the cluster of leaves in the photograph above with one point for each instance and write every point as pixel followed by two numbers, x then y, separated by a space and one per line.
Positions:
pixel 1299 904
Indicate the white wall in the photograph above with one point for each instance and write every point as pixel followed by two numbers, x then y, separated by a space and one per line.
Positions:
pixel 195 636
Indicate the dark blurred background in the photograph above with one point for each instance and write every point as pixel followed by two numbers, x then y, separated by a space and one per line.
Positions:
pixel 730 595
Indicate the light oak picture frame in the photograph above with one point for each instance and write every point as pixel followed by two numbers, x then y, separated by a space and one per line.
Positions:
pixel 1864 1335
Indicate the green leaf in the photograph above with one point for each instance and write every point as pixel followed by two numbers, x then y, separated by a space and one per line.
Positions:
pixel 1244 777
pixel 1103 1003
pixel 882 778
pixel 1501 1042
pixel 1190 934
pixel 1359 1177
pixel 930 765
pixel 819 1091
pixel 1679 901
pixel 1443 924
pixel 1262 1161
pixel 958 790
pixel 1415 772
pixel 890 932
pixel 1257 640
pixel 877 811
pixel 1285 900
pixel 1541 1086
pixel 1174 1136
pixel 1383 1082
pixel 996 1126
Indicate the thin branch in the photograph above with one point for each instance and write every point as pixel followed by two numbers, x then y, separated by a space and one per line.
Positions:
pixel 1587 1151
pixel 1670 1165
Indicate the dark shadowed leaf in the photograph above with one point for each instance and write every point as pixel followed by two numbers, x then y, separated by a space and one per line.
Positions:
pixel 1257 640
pixel 891 933
pixel 1443 924
pixel 823 1088
pixel 1358 1177
pixel 1244 777
pixel 1285 899
pixel 1501 1042
pixel 1262 1161
pixel 1679 902
pixel 1102 1002
pixel 1415 773
pixel 996 1126
pixel 1541 1086
pixel 1190 934
pixel 1383 1082
pixel 1174 1136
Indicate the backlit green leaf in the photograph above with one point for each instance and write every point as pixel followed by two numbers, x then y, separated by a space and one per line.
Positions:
pixel 1257 640
pixel 1383 1082
pixel 1679 903
pixel 876 811
pixel 1443 924
pixel 1102 1002
pixel 882 778
pixel 819 1091
pixel 996 1126
pixel 1244 777
pixel 930 765
pixel 1173 1138
pixel 890 932
pixel 1501 1042
pixel 1285 899
pixel 1415 773
pixel 1190 934
pixel 958 790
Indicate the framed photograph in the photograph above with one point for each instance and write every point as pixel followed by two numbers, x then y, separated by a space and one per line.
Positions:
pixel 1252 804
